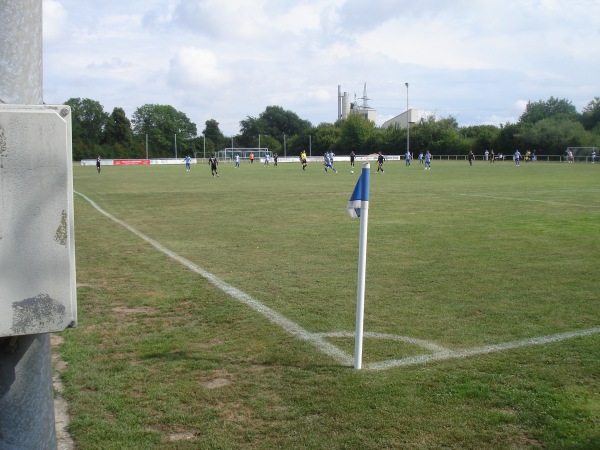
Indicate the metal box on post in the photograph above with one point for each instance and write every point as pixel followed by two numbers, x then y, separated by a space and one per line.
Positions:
pixel 37 245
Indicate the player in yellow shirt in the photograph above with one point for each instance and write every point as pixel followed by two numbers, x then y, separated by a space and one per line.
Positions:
pixel 303 159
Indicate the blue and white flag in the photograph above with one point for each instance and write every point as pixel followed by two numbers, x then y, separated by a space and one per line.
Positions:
pixel 360 194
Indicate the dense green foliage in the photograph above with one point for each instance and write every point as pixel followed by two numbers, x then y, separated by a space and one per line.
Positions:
pixel 547 127
pixel 169 131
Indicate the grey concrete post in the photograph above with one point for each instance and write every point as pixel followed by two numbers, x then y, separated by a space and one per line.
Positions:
pixel 26 395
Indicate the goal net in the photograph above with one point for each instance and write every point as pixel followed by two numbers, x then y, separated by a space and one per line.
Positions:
pixel 580 153
pixel 228 154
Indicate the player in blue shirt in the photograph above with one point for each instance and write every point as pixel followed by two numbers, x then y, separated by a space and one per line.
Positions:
pixel 188 162
pixel 427 161
pixel 328 162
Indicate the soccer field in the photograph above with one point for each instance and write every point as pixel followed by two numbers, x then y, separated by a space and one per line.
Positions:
pixel 226 318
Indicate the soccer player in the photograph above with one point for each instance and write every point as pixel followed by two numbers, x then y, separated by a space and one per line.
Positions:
pixel 492 156
pixel 471 157
pixel 188 162
pixel 328 163
pixel 380 160
pixel 594 156
pixel 427 161
pixel 352 156
pixel 251 158
pixel 407 158
pixel 275 158
pixel 517 158
pixel 237 161
pixel 421 158
pixel 303 159
pixel 98 164
pixel 214 162
pixel 266 159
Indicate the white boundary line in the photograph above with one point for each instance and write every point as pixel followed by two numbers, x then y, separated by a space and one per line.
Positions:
pixel 319 339
pixel 294 329
pixel 449 354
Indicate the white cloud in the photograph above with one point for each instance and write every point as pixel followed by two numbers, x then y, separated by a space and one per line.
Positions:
pixel 195 68
pixel 230 59
pixel 55 18
pixel 521 105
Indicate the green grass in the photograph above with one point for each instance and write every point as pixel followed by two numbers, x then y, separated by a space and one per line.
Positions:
pixel 459 256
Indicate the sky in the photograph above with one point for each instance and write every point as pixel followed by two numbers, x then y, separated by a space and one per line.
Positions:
pixel 479 61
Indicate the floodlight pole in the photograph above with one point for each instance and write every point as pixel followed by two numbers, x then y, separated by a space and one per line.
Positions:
pixel 309 145
pixel 26 393
pixel 407 122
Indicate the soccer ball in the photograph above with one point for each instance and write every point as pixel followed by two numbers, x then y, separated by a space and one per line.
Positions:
pixel 352 171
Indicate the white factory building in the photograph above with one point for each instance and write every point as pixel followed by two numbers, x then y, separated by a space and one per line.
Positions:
pixel 402 120
pixel 347 108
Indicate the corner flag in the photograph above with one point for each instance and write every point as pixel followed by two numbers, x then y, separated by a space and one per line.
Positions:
pixel 358 206
pixel 360 193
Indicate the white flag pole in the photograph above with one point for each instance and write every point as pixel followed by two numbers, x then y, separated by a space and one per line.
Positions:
pixel 362 266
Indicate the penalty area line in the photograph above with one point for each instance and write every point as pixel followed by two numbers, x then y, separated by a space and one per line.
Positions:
pixel 292 328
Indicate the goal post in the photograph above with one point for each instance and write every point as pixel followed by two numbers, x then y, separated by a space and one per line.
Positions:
pixel 580 153
pixel 228 154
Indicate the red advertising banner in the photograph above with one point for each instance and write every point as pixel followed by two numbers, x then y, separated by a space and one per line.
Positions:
pixel 130 162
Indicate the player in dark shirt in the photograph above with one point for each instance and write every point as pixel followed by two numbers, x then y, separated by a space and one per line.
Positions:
pixel 380 160
pixel 213 161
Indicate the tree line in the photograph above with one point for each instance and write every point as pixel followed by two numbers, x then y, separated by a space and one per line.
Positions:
pixel 160 131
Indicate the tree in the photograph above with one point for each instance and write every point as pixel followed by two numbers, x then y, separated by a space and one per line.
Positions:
pixel 590 117
pixel 88 121
pixel 274 146
pixel 213 135
pixel 118 129
pixel 393 140
pixel 324 137
pixel 164 126
pixel 439 136
pixel 536 111
pixel 274 121
pixel 554 134
pixel 357 132
pixel 250 129
pixel 483 137
pixel 300 142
